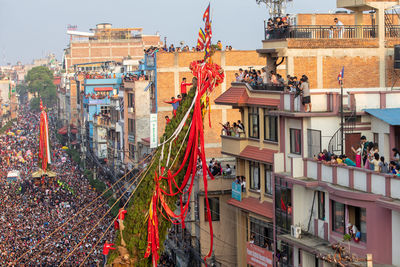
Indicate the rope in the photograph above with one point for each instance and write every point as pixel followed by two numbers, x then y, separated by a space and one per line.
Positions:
pixel 94 227
pixel 79 212
pixel 108 228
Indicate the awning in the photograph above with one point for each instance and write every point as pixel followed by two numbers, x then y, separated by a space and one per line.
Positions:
pixel 103 89
pixel 253 204
pixel 254 153
pixel 237 96
pixel 146 140
pixel 63 130
pixel 388 115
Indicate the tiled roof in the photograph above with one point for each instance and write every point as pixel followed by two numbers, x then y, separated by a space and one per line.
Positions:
pixel 234 95
pixel 253 204
pixel 237 95
pixel 257 154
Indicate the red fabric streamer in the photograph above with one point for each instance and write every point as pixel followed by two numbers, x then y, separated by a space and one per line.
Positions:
pixel 208 77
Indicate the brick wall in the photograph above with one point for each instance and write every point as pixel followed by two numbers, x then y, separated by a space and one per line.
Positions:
pixel 360 72
pixel 172 67
pixel 332 43
pixel 327 19
pixel 307 66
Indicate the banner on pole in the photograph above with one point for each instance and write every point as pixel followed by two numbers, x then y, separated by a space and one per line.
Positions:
pixel 153 130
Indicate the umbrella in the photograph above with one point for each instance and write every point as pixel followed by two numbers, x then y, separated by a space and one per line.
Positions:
pixel 64 147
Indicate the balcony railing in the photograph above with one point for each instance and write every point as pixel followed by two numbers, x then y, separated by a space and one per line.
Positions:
pixel 267 87
pixel 322 32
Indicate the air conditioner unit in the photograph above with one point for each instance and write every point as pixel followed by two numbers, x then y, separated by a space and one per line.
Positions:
pixel 130 110
pixel 295 231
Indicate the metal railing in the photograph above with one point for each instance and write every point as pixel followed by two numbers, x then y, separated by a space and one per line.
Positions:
pixel 267 87
pixel 322 32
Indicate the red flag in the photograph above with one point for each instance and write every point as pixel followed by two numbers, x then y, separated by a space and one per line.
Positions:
pixel 206 16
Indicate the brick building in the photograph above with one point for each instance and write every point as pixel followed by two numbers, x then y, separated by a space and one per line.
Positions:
pixel 172 67
pixel 105 43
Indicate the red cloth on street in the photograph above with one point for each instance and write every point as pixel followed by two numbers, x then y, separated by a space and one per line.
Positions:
pixel 107 247
pixel 183 87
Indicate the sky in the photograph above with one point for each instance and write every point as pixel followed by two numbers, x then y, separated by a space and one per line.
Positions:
pixel 31 29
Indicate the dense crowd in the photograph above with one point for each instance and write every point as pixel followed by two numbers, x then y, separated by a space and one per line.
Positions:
pixel 277 27
pixel 185 48
pixel 29 213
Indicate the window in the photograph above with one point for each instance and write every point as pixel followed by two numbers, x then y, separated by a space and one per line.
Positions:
pixel 268 179
pixel 132 151
pixel 214 208
pixel 283 206
pixel 254 123
pixel 313 142
pixel 270 127
pixel 321 205
pixel 376 138
pixel 131 126
pixel 262 233
pixel 104 110
pixel 356 216
pixel 295 141
pixel 338 217
pixel 255 176
pixel 131 100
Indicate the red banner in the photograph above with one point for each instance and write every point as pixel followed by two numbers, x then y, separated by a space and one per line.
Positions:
pixel 258 256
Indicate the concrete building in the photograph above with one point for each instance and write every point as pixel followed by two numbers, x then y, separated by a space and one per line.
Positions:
pixel 286 190
pixel 105 43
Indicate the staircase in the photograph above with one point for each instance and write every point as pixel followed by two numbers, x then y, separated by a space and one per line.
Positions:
pixel 391 30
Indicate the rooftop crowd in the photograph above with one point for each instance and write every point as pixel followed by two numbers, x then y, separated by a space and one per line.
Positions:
pixel 29 213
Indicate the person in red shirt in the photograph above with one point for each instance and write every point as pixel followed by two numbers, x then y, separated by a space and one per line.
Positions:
pixel 106 249
pixel 167 119
pixel 183 87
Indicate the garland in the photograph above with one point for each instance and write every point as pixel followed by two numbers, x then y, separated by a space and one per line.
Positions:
pixel 164 184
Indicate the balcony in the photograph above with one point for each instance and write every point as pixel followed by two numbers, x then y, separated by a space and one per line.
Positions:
pixel 232 145
pixel 310 172
pixel 322 32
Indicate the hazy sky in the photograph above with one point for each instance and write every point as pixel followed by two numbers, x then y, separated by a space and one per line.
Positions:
pixel 33 28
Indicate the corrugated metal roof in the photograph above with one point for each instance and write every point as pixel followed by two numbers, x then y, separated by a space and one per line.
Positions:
pixel 253 204
pixel 237 95
pixel 232 96
pixel 388 115
pixel 254 153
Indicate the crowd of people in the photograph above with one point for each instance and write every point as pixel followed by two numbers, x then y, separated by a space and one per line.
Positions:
pixel 30 212
pixel 185 48
pixel 277 28
pixel 366 156
pixel 236 129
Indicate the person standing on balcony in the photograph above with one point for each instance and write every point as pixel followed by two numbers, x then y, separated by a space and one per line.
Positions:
pixel 305 89
pixel 339 27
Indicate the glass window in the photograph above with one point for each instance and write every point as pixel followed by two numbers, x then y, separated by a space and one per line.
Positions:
pixel 254 123
pixel 131 100
pixel 295 141
pixel 363 224
pixel 261 233
pixel 321 205
pixel 255 176
pixel 283 206
pixel 214 208
pixel 132 151
pixel 338 217
pixel 270 126
pixel 131 126
pixel 313 142
pixel 268 179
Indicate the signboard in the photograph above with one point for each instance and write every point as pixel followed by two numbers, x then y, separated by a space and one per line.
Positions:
pixel 97 101
pixel 153 130
pixel 131 138
pixel 237 191
pixel 258 256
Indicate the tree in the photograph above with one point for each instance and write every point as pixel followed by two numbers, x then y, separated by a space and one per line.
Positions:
pixel 40 84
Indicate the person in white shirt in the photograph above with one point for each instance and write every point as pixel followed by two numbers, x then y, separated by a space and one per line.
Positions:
pixel 264 76
pixel 339 27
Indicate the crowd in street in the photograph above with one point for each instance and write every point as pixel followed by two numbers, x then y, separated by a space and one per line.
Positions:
pixel 366 156
pixel 29 213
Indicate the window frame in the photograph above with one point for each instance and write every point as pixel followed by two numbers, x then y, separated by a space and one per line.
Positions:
pixel 293 132
pixel 131 126
pixel 254 112
pixel 254 165
pixel 321 205
pixel 211 202
pixel 268 117
pixel 268 169
pixel 334 221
